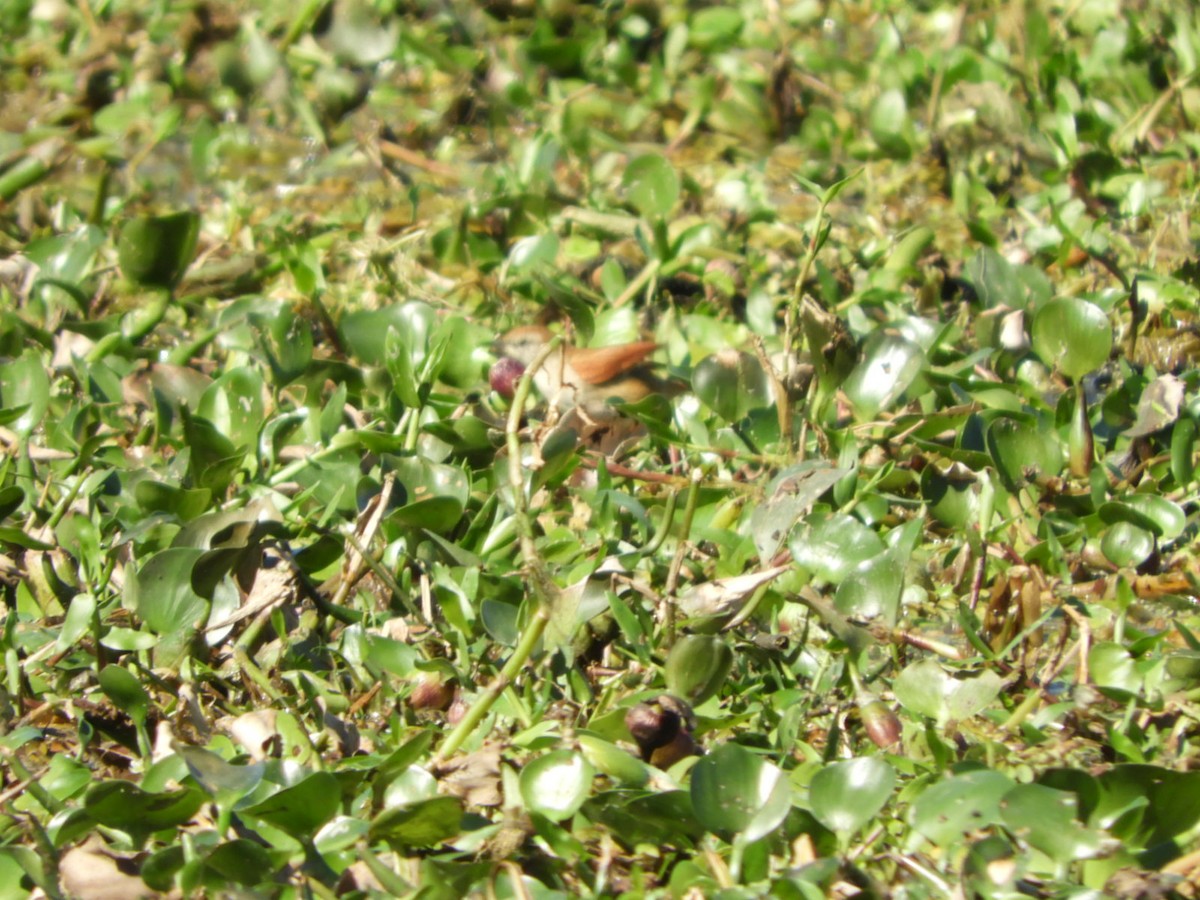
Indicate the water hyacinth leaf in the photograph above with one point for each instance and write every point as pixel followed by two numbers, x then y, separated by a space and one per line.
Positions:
pixel 1126 545
pixel 736 792
pixel 611 760
pixel 958 805
pixel 1073 335
pixel 1046 818
pixel 183 503
pixel 556 784
pixel 731 383
pixel 124 805
pixel 652 186
pixel 1145 805
pixel 1161 516
pixel 832 546
pixel 155 251
pixel 11 498
pixel 715 26
pixel 302 808
pixel 872 590
pixel 847 795
pixel 161 592
pixel 890 124
pixel 125 691
pixel 25 386
pixel 1112 666
pixel 241 861
pixel 889 364
pixel 1183 451
pixel 1021 451
pixel 953 495
pixel 926 689
pixel 423 824
pixel 213 459
pixel 790 495
pixel 697 666
pixel 225 782
pixel 533 250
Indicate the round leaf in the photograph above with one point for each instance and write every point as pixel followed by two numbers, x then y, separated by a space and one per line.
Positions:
pixel 956 806
pixel 1045 817
pixel 736 792
pixel 832 546
pixel 1021 451
pixel 1073 335
pixel 556 784
pixel 302 808
pixel 155 251
pixel 1126 545
pixel 928 690
pixel 731 384
pixel 846 795
pixel 889 364
pixel 651 185
pixel 697 666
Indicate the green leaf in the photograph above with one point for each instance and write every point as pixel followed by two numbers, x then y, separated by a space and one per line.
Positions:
pixel 926 689
pixel 1073 335
pixel 833 546
pixel 958 805
pixel 697 667
pixel 890 363
pixel 155 251
pixel 126 692
pixel 731 384
pixel 847 795
pixel 556 784
pixel 651 185
pixel 301 808
pixel 1022 451
pixel 124 805
pixel 1046 818
pixel 736 792
pixel 423 824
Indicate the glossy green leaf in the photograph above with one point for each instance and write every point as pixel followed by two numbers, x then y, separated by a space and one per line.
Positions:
pixel 126 692
pixel 1045 818
pixel 301 808
pixel 958 805
pixel 424 824
pixel 124 805
pixel 731 384
pixel 953 496
pixel 697 667
pixel 556 784
pixel 1073 335
pixel 1022 451
pixel 652 186
pixel 788 496
pixel 833 546
pixel 736 792
pixel 155 251
pixel 889 365
pixel 847 795
pixel 926 689
pixel 1126 545
pixel 225 782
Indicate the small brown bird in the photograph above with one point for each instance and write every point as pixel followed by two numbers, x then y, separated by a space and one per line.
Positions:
pixel 587 377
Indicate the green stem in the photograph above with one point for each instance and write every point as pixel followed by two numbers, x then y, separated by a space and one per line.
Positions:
pixel 544 589
pixel 689 512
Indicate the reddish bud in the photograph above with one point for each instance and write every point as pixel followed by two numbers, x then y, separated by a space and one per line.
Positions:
pixel 504 376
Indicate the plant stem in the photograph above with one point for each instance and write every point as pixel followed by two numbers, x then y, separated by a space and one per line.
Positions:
pixel 545 591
